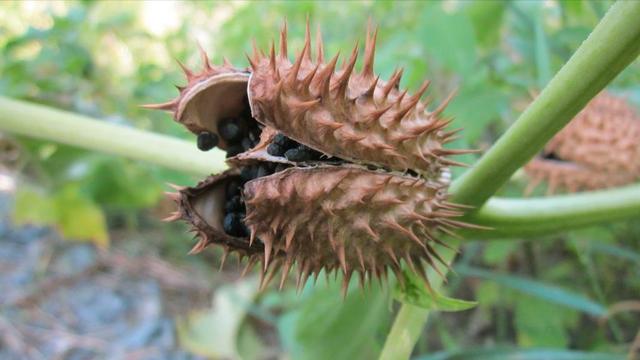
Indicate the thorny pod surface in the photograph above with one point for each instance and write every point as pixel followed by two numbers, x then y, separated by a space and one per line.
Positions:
pixel 338 170
pixel 599 148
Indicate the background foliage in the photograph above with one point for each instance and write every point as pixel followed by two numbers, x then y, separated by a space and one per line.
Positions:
pixel 103 59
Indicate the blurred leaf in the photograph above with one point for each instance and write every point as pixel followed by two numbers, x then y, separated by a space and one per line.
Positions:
pixel 497 251
pixel 475 108
pixel 76 217
pixel 79 218
pixel 486 17
pixel 520 354
pixel 617 251
pixel 449 38
pixel 543 62
pixel 540 323
pixel 416 293
pixel 33 207
pixel 214 332
pixel 535 288
pixel 324 326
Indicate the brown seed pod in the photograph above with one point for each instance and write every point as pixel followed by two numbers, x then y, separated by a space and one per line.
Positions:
pixel 348 174
pixel 599 148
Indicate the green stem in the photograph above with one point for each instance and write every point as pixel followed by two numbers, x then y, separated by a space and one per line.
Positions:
pixel 546 215
pixel 72 129
pixel 613 44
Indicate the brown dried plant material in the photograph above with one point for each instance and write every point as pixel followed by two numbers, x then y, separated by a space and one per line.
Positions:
pixel 348 172
pixel 599 148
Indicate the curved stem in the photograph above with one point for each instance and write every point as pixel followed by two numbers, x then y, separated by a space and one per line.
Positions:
pixel 43 122
pixel 613 44
pixel 546 215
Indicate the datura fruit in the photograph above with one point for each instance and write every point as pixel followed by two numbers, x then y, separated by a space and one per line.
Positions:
pixel 599 148
pixel 330 168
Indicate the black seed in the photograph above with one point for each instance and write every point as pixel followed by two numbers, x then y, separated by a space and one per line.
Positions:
pixel 254 135
pixel 232 189
pixel 280 167
pixel 275 149
pixel 234 205
pixel 248 173
pixel 207 141
pixel 234 150
pixel 263 170
pixel 297 155
pixel 231 129
pixel 234 226
pixel 246 143
pixel 371 167
pixel 284 141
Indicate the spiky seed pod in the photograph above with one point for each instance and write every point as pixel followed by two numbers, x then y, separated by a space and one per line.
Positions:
pixel 348 218
pixel 599 148
pixel 367 190
pixel 352 115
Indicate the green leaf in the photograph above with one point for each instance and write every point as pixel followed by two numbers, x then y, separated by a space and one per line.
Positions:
pixel 540 323
pixel 486 17
pixel 475 108
pixel 76 217
pixel 80 219
pixel 416 293
pixel 535 288
pixel 616 251
pixel 449 38
pixel 33 207
pixel 324 326
pixel 543 58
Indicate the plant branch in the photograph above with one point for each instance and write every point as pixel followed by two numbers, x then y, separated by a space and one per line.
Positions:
pixel 611 47
pixel 546 215
pixel 43 122
pixel 613 44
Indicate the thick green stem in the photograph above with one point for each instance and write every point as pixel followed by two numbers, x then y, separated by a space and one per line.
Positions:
pixel 72 129
pixel 540 216
pixel 612 46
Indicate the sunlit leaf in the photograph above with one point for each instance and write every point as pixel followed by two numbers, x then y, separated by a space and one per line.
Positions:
pixel 214 332
pixel 79 218
pixel 33 207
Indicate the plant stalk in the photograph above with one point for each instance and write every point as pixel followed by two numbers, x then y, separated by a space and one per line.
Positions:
pixel 612 46
pixel 46 123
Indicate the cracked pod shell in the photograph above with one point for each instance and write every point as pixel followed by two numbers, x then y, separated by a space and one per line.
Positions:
pixel 214 93
pixel 348 218
pixel 340 216
pixel 599 148
pixel 352 115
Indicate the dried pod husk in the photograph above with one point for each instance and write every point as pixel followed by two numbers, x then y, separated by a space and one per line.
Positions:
pixel 599 148
pixel 213 94
pixel 369 195
pixel 352 115
pixel 348 218
pixel 202 206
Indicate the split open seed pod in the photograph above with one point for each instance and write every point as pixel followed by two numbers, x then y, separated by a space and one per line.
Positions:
pixel 349 172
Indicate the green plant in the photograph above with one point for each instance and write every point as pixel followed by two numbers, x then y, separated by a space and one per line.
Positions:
pixel 610 48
